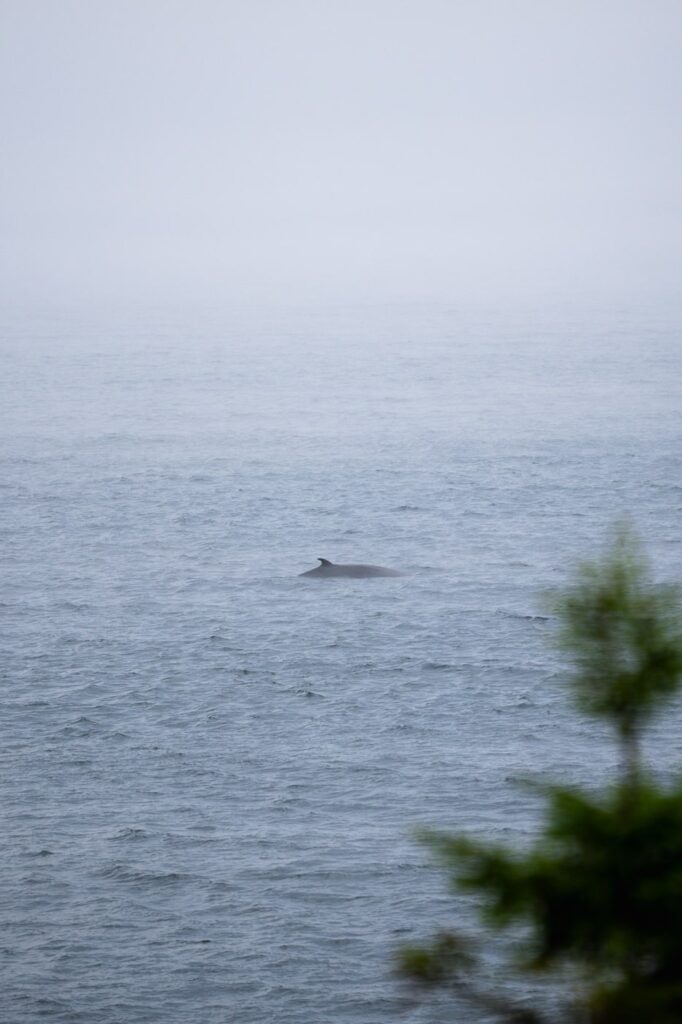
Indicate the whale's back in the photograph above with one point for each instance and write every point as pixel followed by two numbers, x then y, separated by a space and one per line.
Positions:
pixel 329 570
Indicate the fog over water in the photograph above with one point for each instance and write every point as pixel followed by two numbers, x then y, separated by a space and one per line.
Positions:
pixel 393 283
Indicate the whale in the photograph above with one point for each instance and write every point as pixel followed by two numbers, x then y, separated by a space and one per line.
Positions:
pixel 329 570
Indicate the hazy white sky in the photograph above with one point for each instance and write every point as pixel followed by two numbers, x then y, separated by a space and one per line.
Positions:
pixel 347 148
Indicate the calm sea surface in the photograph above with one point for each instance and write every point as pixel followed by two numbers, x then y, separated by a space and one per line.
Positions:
pixel 212 769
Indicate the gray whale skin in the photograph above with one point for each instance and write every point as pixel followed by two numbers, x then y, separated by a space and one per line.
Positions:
pixel 327 570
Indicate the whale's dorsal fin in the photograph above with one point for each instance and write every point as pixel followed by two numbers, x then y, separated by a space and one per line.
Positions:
pixel 325 561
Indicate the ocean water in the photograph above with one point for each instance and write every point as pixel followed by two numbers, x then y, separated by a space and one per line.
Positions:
pixel 211 768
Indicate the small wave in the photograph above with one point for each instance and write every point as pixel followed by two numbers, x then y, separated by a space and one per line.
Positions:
pixel 81 727
pixel 125 873
pixel 38 879
pixel 51 1007
pixel 215 638
pixel 525 618
pixel 130 834
pixel 26 704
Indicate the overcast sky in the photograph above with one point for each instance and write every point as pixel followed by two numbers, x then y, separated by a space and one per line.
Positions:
pixel 409 149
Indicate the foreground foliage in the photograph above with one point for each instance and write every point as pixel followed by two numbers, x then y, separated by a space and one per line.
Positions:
pixel 600 893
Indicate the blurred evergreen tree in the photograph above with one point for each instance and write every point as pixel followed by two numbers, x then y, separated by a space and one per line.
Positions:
pixel 600 893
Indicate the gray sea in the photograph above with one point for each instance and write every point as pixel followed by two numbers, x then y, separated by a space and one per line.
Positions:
pixel 212 769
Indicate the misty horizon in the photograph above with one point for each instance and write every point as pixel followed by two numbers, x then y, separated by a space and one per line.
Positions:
pixel 381 151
